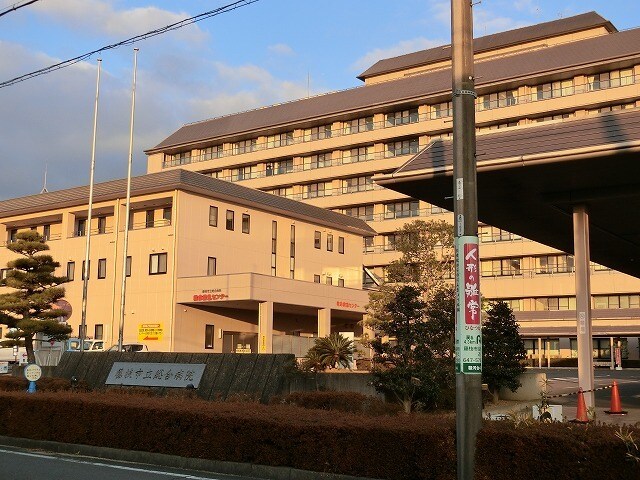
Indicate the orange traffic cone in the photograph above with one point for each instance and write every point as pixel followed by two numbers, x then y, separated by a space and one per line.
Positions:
pixel 616 406
pixel 581 414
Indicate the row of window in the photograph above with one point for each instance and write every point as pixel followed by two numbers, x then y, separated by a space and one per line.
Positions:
pixel 317 242
pixel 328 280
pixel 551 347
pixel 569 303
pixel 157 266
pixel 230 220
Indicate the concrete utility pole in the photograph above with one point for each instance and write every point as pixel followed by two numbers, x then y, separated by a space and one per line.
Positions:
pixel 468 325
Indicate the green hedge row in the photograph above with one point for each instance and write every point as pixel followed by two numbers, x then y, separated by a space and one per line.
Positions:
pixel 392 447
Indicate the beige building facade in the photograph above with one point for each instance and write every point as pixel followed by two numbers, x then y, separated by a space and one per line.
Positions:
pixel 211 266
pixel 324 151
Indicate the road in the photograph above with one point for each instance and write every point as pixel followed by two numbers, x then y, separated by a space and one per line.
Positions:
pixel 21 464
pixel 565 380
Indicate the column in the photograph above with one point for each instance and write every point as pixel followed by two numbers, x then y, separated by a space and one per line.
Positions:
pixel 324 322
pixel 539 352
pixel 583 301
pixel 265 327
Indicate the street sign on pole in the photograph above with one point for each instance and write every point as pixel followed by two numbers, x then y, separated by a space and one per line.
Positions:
pixel 468 328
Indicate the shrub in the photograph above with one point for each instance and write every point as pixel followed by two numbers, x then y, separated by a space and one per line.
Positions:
pixel 348 402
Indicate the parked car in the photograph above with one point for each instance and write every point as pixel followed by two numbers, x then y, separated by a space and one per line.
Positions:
pixel 73 345
pixel 130 347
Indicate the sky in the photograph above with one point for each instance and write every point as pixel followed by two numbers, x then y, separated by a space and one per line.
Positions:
pixel 263 53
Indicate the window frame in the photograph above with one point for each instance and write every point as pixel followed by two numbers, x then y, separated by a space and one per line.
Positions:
pixel 230 220
pixel 158 265
pixel 246 223
pixel 213 215
pixel 102 268
pixel 212 261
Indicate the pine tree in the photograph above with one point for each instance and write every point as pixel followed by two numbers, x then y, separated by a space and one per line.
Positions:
pixel 406 366
pixel 503 350
pixel 27 309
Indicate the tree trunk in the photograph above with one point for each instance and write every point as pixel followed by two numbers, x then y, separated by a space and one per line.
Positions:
pixel 406 404
pixel 28 345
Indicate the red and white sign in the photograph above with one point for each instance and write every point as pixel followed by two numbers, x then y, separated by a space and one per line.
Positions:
pixel 471 285
pixel 209 297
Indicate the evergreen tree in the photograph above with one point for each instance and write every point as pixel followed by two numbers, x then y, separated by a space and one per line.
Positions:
pixel 27 309
pixel 503 350
pixel 405 366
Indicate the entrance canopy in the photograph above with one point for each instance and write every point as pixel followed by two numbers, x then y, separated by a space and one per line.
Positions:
pixel 530 178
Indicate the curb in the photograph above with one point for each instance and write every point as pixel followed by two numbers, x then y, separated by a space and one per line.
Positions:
pixel 174 461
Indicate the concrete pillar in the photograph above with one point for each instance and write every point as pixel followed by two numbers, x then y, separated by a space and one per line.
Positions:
pixel 583 301
pixel 611 353
pixel 324 322
pixel 539 352
pixel 265 327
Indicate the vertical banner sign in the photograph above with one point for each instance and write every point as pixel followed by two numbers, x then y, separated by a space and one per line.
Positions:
pixel 468 325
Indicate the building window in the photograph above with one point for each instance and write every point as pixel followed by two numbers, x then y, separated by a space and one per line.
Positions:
pixel 180 158
pixel 340 244
pixel 212 264
pixel 320 160
pixel 442 110
pixel 501 267
pixel 329 280
pixel 316 133
pixel 102 225
pixel 98 331
pixel 46 232
pixel 390 240
pixel 246 222
pixel 102 268
pixel 341 282
pixel 157 263
pixel 368 244
pixel 88 270
pixel 278 168
pixel 357 184
pixel 316 190
pixel 81 227
pixel 149 219
pixel 404 147
pixel 359 154
pixel 230 220
pixel 316 279
pixel 274 246
pixel 363 124
pixel 212 152
pixel 616 301
pixel 71 271
pixel 292 252
pixel 555 303
pixel 213 216
pixel 329 242
pixel 402 117
pixel 402 209
pixel 127 268
pixel 280 140
pixel 245 146
pixel 166 215
pixel 363 212
pixel 554 264
pixel 209 335
pixel 243 173
pixel 317 239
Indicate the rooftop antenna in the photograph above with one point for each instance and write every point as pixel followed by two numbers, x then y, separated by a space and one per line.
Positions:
pixel 44 185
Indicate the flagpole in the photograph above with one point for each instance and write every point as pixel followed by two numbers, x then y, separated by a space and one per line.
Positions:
pixel 85 273
pixel 128 204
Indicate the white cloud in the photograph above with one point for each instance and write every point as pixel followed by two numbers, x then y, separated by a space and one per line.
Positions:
pixel 405 46
pixel 100 16
pixel 281 49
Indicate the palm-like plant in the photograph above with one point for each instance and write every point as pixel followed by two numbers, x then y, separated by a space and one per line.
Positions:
pixel 331 351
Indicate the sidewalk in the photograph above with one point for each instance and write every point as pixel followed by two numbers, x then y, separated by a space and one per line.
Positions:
pixel 506 409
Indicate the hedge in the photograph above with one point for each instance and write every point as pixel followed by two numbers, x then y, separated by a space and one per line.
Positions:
pixel 394 447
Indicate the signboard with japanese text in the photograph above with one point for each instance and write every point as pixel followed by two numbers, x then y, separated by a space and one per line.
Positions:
pixel 150 331
pixel 176 375
pixel 468 325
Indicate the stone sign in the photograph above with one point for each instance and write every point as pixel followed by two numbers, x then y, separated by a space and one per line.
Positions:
pixel 176 375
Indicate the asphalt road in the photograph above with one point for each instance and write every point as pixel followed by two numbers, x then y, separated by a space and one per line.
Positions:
pixel 20 464
pixel 565 380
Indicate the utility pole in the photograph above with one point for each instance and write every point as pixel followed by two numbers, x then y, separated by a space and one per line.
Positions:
pixel 468 323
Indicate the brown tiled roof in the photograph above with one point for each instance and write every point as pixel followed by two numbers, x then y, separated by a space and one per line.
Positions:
pixel 526 65
pixel 586 132
pixel 189 181
pixel 490 42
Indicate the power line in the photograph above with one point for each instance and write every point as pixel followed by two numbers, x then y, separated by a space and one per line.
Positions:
pixel 16 6
pixel 159 31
